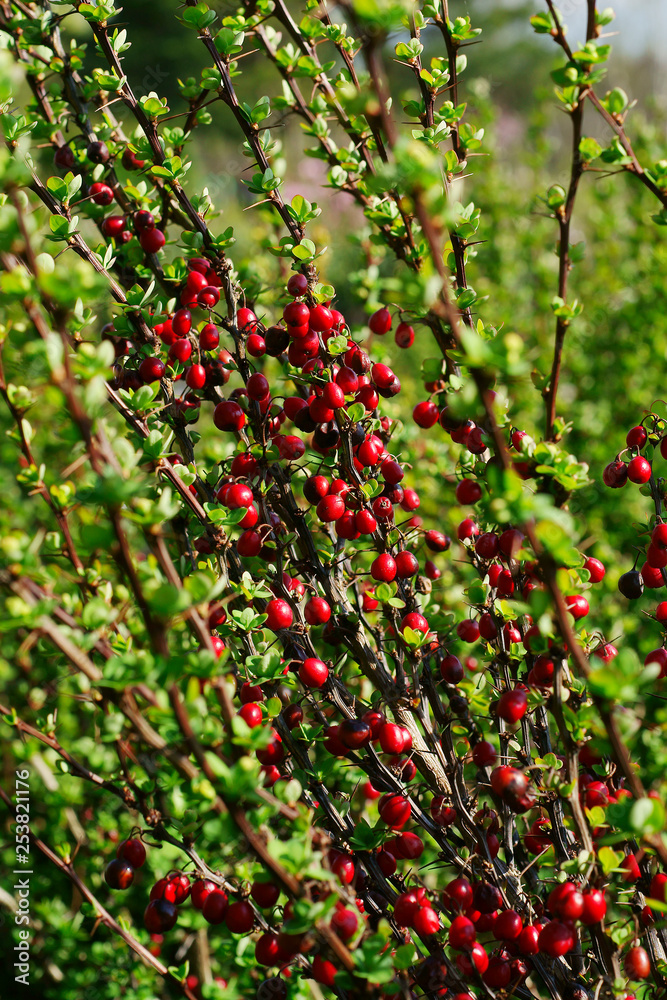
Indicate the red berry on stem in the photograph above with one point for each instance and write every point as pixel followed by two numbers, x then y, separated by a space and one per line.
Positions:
pixel 425 414
pixel 615 475
pixel 405 335
pixel 512 705
pixel 201 890
pixel 100 193
pixel 380 322
pixel 637 963
pixel 279 614
pixel 214 906
pixel 119 873
pixel 395 810
pixel 313 672
pixel 228 416
pixel 152 240
pixel 240 917
pixel 297 284
pixel 151 370
pixel 160 916
pixel 636 437
pixel 556 939
pixel 383 568
pixel 133 851
pixel 639 470
pixel 321 319
pixel 246 320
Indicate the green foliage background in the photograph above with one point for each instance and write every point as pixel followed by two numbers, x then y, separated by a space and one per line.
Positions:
pixel 615 362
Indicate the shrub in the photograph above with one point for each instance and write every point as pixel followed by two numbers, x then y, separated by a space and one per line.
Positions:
pixel 298 676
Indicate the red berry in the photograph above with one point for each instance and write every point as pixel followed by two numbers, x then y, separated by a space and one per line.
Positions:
pixel 324 971
pixel 321 319
pixel 392 738
pixel 566 901
pixel 181 322
pixel 636 437
pixel 240 917
pixel 368 452
pixel 556 939
pixel 317 611
pixel 512 705
pixel 267 949
pixel 265 894
pixel 354 733
pixel 315 488
pixel 214 906
pixel 405 335
pixel 383 568
pixel 462 933
pixel 180 351
pixel 528 940
pixel 484 753
pixel 209 337
pixel 257 386
pixel 297 284
pixel 426 921
pixel 160 916
pixel 344 923
pixel 468 491
pixel 615 475
pixel 101 193
pixel 407 564
pixel 468 630
pixel 201 890
pixel 451 668
pixel 143 220
pixel 228 416
pixel 330 508
pixel 637 963
pixel 113 225
pixel 425 414
pixel 508 926
pixel 595 569
pixel 133 851
pixel 251 714
pixel 380 322
pixel 476 960
pixel 152 240
pixel 119 873
pixel 395 810
pixel 256 345
pixel 595 907
pixel 437 541
pixel 577 605
pixel 639 470
pixel 195 377
pixel 382 376
pixel 441 812
pixel 151 370
pixel 406 907
pixel 333 395
pixel 296 314
pixel 246 320
pixel 313 672
pixel 64 158
pixel 279 614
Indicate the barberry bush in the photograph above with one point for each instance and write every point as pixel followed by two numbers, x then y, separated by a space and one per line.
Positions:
pixel 329 653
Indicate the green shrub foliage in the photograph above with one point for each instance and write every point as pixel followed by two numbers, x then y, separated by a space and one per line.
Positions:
pixel 332 632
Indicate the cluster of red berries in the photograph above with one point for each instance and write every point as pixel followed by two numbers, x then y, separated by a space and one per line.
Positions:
pixel 119 873
pixel 653 572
